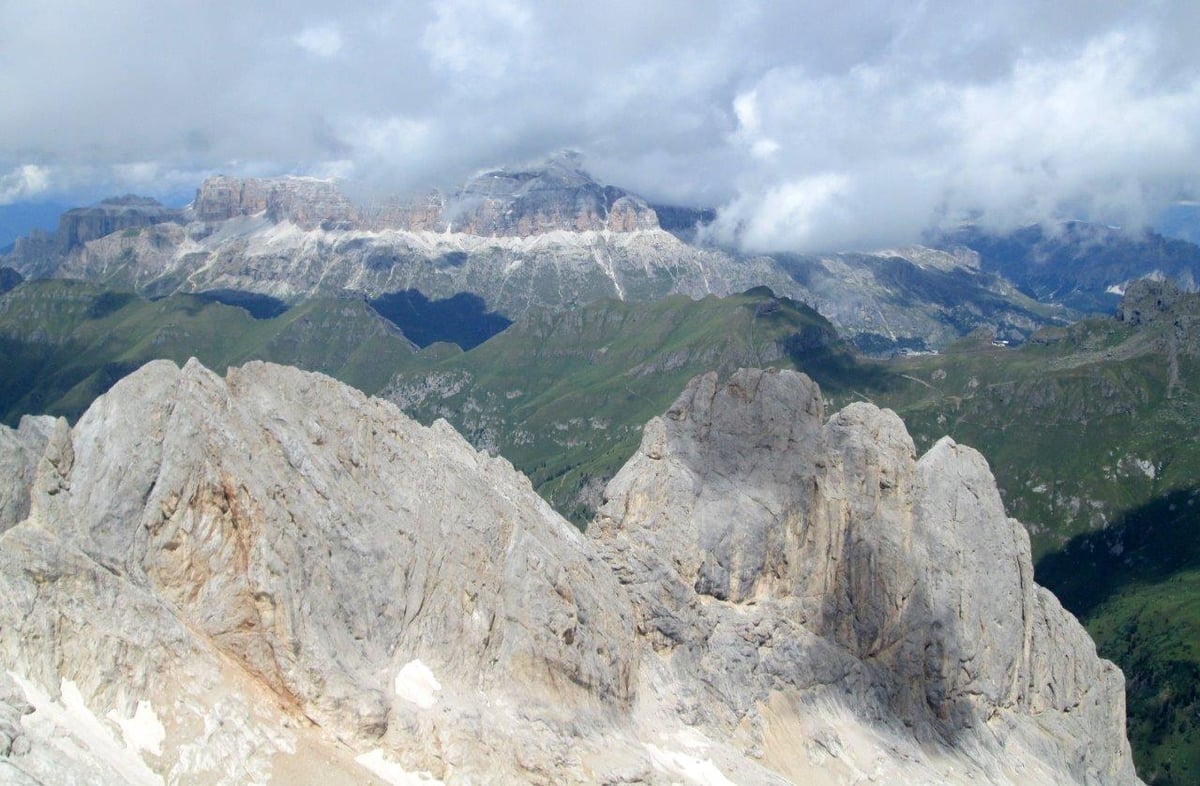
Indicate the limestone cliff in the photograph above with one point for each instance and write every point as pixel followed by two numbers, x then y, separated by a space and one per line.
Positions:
pixel 537 236
pixel 273 578
pixel 554 196
pixel 118 214
pixel 745 511
pixel 20 449
pixel 305 202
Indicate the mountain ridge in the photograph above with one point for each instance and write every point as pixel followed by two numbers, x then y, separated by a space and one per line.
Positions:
pixel 544 236
pixel 460 628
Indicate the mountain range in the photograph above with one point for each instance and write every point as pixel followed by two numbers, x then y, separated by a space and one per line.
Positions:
pixel 272 577
pixel 549 236
pixel 548 317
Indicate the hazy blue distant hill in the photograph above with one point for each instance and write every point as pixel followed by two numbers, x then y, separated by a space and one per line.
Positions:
pixel 1083 266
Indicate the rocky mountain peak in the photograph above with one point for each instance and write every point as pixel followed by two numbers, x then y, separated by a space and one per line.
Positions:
pixel 1148 300
pixel 743 503
pixel 274 553
pixel 232 579
pixel 554 195
pixel 563 168
pixel 306 202
pixel 79 225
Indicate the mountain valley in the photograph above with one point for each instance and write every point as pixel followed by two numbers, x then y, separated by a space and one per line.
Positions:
pixel 548 318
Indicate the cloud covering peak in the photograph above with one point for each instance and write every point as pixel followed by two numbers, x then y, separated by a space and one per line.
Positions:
pixel 812 127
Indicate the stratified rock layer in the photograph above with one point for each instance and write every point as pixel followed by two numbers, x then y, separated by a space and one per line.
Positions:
pixel 271 577
pixel 546 236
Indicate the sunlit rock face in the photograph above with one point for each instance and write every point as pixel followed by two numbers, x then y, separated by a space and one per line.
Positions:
pixel 544 236
pixel 271 577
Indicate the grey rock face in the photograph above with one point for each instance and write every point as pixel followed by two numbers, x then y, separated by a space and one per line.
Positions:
pixel 272 576
pixel 542 236
pixel 321 541
pixel 1149 300
pixel 557 195
pixel 81 224
pixel 20 449
pixel 305 202
pixel 834 538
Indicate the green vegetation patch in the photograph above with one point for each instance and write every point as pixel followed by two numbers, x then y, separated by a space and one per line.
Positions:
pixel 564 396
pixel 63 343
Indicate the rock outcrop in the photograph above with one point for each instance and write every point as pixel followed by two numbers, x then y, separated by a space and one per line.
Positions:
pixel 322 544
pixel 307 202
pixel 554 196
pixel 754 535
pixel 118 214
pixel 20 450
pixel 1149 300
pixel 235 580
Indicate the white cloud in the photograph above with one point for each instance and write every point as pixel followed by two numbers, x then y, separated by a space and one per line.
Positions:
pixel 813 129
pixel 24 182
pixel 787 215
pixel 872 155
pixel 320 40
pixel 477 37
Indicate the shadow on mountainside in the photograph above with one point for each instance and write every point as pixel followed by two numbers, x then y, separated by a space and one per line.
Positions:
pixel 256 305
pixel 461 319
pixel 51 380
pixel 1148 544
pixel 1136 586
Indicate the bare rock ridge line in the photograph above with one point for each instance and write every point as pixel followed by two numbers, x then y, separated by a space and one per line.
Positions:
pixel 272 551
pixel 744 503
pixel 271 577
pixel 544 236
pixel 548 237
pixel 500 203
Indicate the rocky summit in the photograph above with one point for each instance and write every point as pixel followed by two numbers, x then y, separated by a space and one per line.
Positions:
pixel 542 236
pixel 273 578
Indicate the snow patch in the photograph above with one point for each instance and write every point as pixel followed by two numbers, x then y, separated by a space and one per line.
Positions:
pixel 142 732
pixel 681 765
pixel 1133 464
pixel 1117 289
pixel 606 265
pixel 393 773
pixel 415 683
pixel 69 725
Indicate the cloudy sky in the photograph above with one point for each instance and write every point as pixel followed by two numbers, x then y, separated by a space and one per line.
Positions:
pixel 813 125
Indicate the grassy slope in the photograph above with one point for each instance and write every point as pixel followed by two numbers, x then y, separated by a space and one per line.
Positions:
pixel 62 343
pixel 564 396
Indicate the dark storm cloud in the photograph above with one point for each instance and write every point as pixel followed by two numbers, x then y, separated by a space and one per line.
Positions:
pixel 815 125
